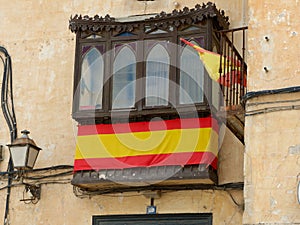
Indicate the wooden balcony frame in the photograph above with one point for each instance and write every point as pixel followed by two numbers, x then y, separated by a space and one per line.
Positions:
pixel 193 177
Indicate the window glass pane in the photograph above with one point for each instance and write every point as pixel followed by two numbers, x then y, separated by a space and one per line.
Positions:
pixel 216 91
pixel 91 80
pixel 124 79
pixel 157 76
pixel 158 31
pixel 94 36
pixel 125 34
pixel 191 28
pixel 191 76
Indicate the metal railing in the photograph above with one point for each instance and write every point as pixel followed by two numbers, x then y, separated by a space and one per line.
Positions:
pixel 233 69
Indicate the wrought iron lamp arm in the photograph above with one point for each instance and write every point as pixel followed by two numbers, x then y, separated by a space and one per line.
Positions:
pixel 7 106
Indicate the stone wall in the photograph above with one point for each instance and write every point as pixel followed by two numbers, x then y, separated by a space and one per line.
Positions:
pixel 272 122
pixel 272 161
pixel 36 35
pixel 58 205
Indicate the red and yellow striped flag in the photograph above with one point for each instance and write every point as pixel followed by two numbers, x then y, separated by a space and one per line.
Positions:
pixel 211 62
pixel 143 144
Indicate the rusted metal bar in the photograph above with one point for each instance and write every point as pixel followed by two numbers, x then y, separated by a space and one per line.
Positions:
pixel 232 66
pixel 221 77
pixel 236 80
pixel 233 29
pixel 229 92
pixel 243 69
pixel 224 72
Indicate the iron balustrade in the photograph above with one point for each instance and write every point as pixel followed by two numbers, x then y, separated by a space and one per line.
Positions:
pixel 233 68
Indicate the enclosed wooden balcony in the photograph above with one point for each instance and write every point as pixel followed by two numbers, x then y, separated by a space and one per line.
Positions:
pixel 184 141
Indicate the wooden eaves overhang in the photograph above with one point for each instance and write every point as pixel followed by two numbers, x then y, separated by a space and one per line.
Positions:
pixel 162 20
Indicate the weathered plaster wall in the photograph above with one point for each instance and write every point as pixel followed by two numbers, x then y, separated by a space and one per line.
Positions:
pixel 42 49
pixel 272 135
pixel 60 206
pixel 230 159
pixel 272 163
pixel 279 21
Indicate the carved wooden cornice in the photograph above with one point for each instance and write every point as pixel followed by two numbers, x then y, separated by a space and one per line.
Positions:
pixel 176 18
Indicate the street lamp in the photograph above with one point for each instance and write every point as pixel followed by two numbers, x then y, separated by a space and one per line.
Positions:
pixel 24 152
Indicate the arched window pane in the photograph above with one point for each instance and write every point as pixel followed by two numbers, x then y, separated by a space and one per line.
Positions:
pixel 91 83
pixel 191 76
pixel 124 79
pixel 125 34
pixel 157 76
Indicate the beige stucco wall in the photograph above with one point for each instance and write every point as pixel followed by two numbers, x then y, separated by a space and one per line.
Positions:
pixel 279 22
pixel 230 158
pixel 272 138
pixel 42 49
pixel 59 206
pixel 272 163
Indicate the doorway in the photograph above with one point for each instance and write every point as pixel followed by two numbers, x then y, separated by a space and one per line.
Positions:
pixel 156 219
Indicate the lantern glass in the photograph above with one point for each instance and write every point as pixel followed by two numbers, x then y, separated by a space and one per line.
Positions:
pixel 23 152
pixel 19 155
pixel 298 192
pixel 32 155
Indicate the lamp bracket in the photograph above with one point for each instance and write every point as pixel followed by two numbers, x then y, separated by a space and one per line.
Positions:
pixel 35 191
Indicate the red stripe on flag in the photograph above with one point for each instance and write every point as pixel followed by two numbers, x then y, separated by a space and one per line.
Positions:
pixel 148 126
pixel 233 77
pixel 191 158
pixel 198 48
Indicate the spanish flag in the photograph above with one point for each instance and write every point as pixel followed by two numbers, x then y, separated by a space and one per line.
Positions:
pixel 145 144
pixel 211 62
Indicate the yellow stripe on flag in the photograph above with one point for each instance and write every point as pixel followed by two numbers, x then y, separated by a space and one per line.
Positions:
pixel 147 143
pixel 211 62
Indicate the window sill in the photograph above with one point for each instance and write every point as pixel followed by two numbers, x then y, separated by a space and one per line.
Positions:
pixel 183 111
pixel 175 177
